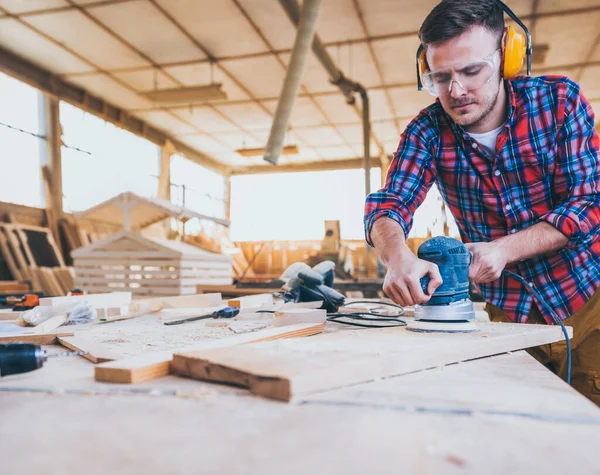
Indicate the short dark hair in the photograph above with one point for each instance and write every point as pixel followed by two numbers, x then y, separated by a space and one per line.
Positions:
pixel 451 18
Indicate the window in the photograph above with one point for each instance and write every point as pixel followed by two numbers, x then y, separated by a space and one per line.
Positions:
pixel 100 160
pixel 198 189
pixel 20 150
pixel 294 206
pixel 429 217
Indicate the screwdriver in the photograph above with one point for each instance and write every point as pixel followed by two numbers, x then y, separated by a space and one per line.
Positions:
pixel 227 312
pixel 17 358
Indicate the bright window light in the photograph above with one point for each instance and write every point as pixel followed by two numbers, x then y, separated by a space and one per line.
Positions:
pixel 199 189
pixel 294 206
pixel 20 152
pixel 99 160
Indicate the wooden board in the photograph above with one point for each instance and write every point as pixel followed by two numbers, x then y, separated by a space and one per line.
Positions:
pixel 51 324
pixel 11 286
pixel 96 353
pixel 233 290
pixel 112 299
pixel 38 339
pixel 463 419
pixel 154 365
pixel 289 369
pixel 187 301
pixel 7 314
pixel 251 301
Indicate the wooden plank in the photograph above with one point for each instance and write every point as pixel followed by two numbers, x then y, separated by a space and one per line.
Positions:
pixel 186 301
pixel 15 287
pixel 128 312
pixel 111 299
pixel 292 316
pixel 251 301
pixel 154 365
pixel 234 290
pixel 8 257
pixel 35 338
pixel 291 369
pixel 24 266
pixel 6 315
pixel 96 352
pixel 51 324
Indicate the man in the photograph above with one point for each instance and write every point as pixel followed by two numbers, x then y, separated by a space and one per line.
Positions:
pixel 517 163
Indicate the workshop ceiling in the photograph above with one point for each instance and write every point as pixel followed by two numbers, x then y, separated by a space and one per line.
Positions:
pixel 119 49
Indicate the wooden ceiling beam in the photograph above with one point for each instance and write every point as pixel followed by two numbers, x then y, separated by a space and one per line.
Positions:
pixel 323 165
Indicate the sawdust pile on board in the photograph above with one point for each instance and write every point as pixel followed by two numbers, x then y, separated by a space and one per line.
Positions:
pixel 151 335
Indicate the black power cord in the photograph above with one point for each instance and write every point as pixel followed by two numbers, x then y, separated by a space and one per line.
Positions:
pixel 387 320
pixel 555 317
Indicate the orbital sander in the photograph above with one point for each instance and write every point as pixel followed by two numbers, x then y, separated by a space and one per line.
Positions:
pixel 450 309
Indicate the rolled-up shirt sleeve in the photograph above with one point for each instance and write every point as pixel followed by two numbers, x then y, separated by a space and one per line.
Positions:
pixel 576 180
pixel 410 175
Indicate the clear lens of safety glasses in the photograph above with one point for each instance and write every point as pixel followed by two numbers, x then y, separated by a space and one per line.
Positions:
pixel 469 76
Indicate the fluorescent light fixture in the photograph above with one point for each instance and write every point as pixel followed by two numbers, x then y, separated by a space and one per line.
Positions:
pixel 187 95
pixel 259 152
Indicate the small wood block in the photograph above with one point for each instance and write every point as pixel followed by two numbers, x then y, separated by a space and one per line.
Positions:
pixel 292 316
pixel 251 301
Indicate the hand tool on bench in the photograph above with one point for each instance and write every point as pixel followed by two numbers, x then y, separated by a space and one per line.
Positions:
pixel 227 312
pixel 17 358
pixel 22 302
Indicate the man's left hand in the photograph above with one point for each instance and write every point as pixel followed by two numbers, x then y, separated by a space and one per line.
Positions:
pixel 489 260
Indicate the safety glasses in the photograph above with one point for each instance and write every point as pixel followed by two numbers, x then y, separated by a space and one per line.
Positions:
pixel 469 76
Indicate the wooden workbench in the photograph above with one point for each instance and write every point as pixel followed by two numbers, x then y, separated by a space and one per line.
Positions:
pixel 504 414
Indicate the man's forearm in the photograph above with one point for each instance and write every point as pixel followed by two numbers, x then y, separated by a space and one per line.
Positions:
pixel 389 240
pixel 540 238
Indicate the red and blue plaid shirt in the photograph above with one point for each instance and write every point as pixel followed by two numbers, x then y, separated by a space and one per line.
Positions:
pixel 545 169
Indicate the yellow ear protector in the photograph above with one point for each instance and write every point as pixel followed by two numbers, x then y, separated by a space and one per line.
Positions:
pixel 515 47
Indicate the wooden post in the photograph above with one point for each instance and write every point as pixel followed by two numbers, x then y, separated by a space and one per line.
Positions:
pixel 385 164
pixel 51 161
pixel 164 179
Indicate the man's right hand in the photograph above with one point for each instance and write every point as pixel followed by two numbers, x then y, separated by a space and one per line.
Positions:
pixel 404 270
pixel 402 281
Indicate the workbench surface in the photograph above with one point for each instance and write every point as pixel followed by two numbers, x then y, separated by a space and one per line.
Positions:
pixel 505 414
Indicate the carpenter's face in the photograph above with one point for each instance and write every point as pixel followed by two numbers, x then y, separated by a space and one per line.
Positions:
pixel 464 73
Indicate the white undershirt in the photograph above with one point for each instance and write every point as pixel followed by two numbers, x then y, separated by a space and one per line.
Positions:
pixel 488 139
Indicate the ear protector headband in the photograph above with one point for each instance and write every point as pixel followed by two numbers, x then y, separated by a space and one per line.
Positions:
pixel 515 48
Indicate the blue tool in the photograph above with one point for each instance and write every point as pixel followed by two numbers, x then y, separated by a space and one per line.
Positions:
pixel 449 309
pixel 227 312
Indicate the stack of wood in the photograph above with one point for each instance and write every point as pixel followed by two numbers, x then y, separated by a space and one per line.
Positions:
pixel 31 254
pixel 130 262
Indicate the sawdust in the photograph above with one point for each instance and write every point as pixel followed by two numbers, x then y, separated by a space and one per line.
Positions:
pixel 116 340
pixel 147 334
